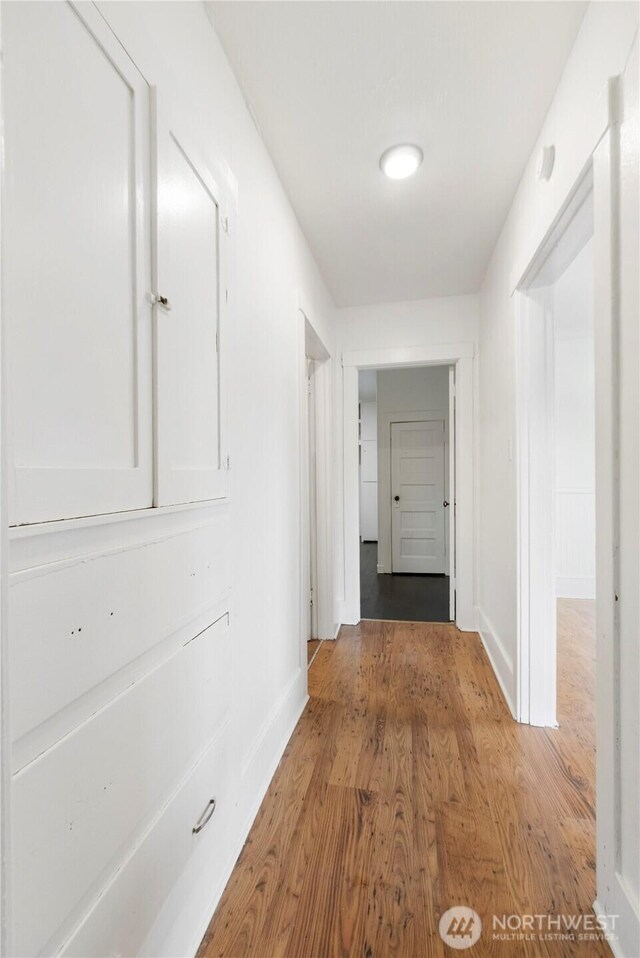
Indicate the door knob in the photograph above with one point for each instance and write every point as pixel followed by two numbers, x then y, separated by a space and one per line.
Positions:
pixel 445 503
pixel 397 498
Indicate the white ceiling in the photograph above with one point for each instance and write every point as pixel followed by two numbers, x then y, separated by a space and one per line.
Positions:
pixel 333 84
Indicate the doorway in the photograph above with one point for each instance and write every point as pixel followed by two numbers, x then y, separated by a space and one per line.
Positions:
pixel 556 451
pixel 406 493
pixel 316 595
pixel 460 357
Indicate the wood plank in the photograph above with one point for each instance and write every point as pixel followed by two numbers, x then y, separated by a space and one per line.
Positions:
pixel 407 788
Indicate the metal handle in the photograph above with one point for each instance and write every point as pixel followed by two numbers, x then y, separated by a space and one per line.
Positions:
pixel 161 301
pixel 445 503
pixel 397 498
pixel 205 817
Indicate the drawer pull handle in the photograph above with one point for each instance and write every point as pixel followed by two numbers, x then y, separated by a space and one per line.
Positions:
pixel 205 817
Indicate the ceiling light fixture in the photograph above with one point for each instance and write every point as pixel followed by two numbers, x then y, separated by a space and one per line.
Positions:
pixel 401 161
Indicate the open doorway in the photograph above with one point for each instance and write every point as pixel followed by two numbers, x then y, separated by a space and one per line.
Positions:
pixel 574 508
pixel 316 605
pixel 557 464
pixel 459 357
pixel 406 466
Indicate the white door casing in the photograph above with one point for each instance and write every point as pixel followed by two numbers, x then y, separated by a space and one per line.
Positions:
pixel 313 503
pixel 76 266
pixel 451 510
pixel 417 492
pixel 461 356
pixel 195 205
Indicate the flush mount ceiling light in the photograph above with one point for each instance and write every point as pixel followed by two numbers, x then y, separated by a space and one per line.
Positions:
pixel 401 161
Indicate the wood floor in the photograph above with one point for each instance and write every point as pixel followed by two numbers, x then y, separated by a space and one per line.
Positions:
pixel 406 598
pixel 407 788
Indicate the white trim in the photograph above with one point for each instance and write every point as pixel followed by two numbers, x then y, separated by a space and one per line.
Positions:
pixel 451 493
pixel 613 943
pixel 405 356
pixel 5 736
pixel 595 123
pixel 35 547
pixel 313 347
pixel 501 661
pixel 626 924
pixel 536 685
pixel 460 355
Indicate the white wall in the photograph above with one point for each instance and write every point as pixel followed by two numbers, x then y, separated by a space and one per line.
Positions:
pixel 452 319
pixel 606 46
pixel 405 391
pixel 251 544
pixel 574 401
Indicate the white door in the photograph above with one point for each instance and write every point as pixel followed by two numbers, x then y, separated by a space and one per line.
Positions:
pixel 76 265
pixel 417 497
pixel 193 211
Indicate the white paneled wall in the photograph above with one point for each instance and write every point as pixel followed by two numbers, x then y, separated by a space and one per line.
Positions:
pixel 575 543
pixel 157 662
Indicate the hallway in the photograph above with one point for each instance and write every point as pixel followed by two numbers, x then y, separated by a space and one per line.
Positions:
pixel 407 788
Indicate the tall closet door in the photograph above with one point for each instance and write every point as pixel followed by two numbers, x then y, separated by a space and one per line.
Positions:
pixel 194 204
pixel 76 265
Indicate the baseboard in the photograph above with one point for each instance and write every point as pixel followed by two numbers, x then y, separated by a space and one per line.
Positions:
pixel 250 815
pixel 380 569
pixel 500 660
pixel 578 588
pixel 626 943
pixel 613 943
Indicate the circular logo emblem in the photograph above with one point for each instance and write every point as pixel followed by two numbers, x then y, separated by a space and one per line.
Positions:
pixel 460 927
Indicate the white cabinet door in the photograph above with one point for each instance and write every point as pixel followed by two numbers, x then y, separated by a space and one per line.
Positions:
pixel 194 207
pixel 76 265
pixel 417 496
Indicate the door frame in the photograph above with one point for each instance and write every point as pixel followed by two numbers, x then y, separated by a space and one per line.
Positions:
pixel 535 662
pixel 311 346
pixel 460 356
pixel 574 223
pixel 396 419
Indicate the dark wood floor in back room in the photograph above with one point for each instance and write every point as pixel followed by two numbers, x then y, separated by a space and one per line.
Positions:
pixel 407 788
pixel 406 598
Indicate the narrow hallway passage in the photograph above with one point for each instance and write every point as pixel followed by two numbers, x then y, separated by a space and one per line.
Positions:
pixel 407 788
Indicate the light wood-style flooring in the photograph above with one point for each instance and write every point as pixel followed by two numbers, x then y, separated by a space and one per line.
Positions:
pixel 407 788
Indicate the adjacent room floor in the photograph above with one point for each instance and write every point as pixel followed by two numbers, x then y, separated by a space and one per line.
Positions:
pixel 404 598
pixel 406 788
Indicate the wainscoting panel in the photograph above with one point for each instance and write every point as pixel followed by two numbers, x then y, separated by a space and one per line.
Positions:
pixel 575 543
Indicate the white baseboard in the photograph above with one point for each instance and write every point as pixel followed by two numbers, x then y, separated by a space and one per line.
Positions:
pixel 579 588
pixel 500 660
pixel 625 930
pixel 380 569
pixel 288 715
pixel 614 944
